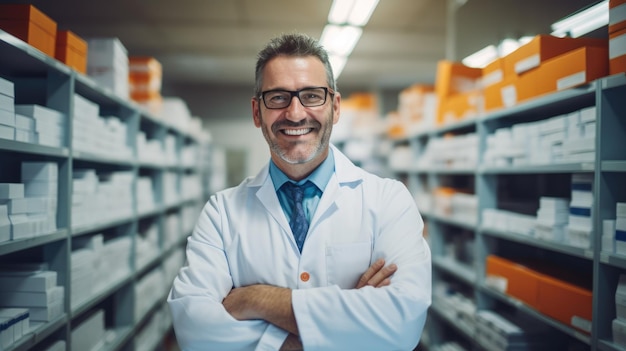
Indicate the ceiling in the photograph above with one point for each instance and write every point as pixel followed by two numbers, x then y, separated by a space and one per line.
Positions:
pixel 214 42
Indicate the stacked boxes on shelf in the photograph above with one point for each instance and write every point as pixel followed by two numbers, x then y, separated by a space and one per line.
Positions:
pixel 579 231
pixel 149 150
pixel 552 217
pixel 90 333
pixel 148 291
pixel 458 92
pixel 146 198
pixel 105 136
pixel 146 245
pixel 496 332
pixel 456 306
pixel 417 111
pixel 567 299
pixel 29 24
pixel 617 36
pixel 71 50
pixel 560 139
pixel 619 323
pixel 453 152
pixel 98 264
pixel 171 230
pixel 98 198
pixel 14 323
pixel 29 208
pixel 7 109
pixel 107 64
pixel 145 80
pixel 32 287
pixel 170 188
pixel 50 125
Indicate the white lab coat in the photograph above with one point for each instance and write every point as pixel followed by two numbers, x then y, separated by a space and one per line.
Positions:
pixel 243 237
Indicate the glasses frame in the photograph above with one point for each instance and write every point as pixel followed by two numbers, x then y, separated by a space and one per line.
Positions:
pixel 295 93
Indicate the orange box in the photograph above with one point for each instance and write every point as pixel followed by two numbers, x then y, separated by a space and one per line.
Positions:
pixel 502 94
pixel 71 50
pixel 493 73
pixel 454 78
pixel 569 70
pixel 521 281
pixel 29 24
pixel 566 302
pixel 460 106
pixel 542 48
pixel 617 15
pixel 617 52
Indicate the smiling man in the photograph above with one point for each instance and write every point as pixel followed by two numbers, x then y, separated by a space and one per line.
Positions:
pixel 313 253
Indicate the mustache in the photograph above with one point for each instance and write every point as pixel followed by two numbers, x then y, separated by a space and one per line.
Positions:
pixel 278 125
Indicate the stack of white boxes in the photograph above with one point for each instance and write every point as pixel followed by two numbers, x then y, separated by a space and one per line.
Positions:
pixel 146 200
pixel 149 150
pixel 458 152
pixel 455 306
pixel 552 217
pixel 170 188
pixel 169 147
pixel 619 323
pixel 495 332
pixel 191 188
pixel 107 64
pixel 50 125
pixel 32 288
pixel 14 324
pixel 26 129
pixel 105 136
pixel 580 144
pixel 29 208
pixel 171 266
pixel 171 231
pixel 148 290
pixel 7 109
pixel 580 227
pixel 619 234
pixel 100 198
pixel 146 246
pixel 551 135
pixel 97 264
pixel 508 221
pixel 90 333
pixel 609 240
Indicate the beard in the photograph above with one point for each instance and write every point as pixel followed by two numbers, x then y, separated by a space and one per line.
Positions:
pixel 309 150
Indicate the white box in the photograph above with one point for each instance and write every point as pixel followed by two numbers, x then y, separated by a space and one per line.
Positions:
pixel 39 171
pixel 7 87
pixel 11 190
pixel 620 209
pixel 21 227
pixel 608 244
pixel 620 224
pixel 16 206
pixel 42 113
pixel 19 318
pixel 24 122
pixel 7 103
pixel 34 188
pixel 26 136
pixel 7 118
pixel 588 114
pixel 36 282
pixel 6 333
pixel 48 313
pixel 90 333
pixel 7 132
pixel 619 332
pixel 32 299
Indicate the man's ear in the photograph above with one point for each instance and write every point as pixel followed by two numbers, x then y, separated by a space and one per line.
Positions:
pixel 336 107
pixel 256 112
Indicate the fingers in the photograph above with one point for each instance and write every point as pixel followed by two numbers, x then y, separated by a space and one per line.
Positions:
pixel 377 275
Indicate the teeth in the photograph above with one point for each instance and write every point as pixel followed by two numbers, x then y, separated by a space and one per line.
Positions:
pixel 296 131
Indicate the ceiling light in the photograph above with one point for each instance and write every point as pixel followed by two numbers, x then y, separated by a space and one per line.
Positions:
pixel 583 22
pixel 337 63
pixel 481 58
pixel 352 12
pixel 340 40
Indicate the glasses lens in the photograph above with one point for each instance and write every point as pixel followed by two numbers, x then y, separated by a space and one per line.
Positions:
pixel 277 99
pixel 312 97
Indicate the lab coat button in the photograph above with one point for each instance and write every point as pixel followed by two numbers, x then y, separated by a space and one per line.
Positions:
pixel 305 276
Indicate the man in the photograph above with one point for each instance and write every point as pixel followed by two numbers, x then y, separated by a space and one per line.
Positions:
pixel 268 271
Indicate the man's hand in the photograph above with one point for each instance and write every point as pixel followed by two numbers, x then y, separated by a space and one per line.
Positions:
pixel 377 275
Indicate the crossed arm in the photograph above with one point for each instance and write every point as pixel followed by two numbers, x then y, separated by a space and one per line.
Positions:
pixel 273 304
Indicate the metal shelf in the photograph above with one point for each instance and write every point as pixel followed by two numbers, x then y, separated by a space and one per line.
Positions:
pixel 585 167
pixel 7 247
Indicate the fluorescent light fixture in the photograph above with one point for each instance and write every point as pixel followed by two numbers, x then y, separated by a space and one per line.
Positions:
pixel 352 12
pixel 583 22
pixel 337 63
pixel 340 40
pixel 481 58
pixel 507 46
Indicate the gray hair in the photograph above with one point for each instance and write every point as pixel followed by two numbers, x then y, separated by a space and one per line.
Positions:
pixel 294 44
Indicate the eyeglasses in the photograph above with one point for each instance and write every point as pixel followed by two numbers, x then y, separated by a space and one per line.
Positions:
pixel 309 97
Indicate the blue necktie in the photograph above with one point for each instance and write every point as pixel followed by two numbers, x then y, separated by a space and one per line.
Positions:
pixel 298 223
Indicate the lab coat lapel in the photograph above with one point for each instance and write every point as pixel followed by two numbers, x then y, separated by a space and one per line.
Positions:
pixel 263 188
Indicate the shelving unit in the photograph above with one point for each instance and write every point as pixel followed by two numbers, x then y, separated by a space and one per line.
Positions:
pixel 487 183
pixel 178 187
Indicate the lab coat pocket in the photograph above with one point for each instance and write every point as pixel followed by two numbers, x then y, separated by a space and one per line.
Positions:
pixel 346 263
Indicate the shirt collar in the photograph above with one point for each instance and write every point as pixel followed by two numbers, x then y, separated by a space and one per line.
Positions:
pixel 320 176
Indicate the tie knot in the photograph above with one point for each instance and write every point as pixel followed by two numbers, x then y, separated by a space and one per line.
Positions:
pixel 296 191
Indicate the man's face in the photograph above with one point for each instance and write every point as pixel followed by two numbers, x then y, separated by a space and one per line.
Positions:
pixel 296 134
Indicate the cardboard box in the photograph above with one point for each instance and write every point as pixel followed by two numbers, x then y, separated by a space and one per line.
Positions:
pixel 454 78
pixel 7 87
pixel 617 51
pixel 71 50
pixel 617 15
pixel 569 70
pixel 542 48
pixel 29 24
pixel 460 106
pixel 493 73
pixel 501 94
pixel 566 302
pixel 521 282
